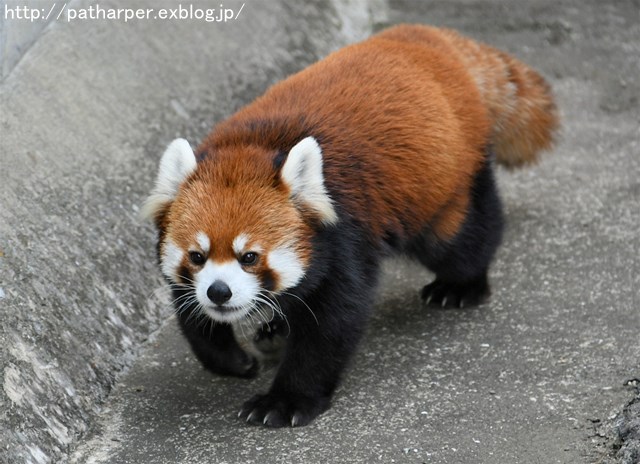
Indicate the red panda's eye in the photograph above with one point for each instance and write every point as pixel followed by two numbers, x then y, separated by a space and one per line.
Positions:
pixel 196 258
pixel 249 258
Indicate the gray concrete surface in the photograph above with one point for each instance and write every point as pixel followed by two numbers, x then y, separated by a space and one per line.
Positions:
pixel 537 375
pixel 84 117
pixel 21 24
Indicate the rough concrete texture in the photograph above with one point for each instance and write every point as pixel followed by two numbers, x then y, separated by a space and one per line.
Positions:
pixel 628 429
pixel 537 375
pixel 83 119
pixel 21 23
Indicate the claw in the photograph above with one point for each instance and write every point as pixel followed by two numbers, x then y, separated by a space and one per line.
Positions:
pixel 444 302
pixel 266 418
pixel 295 420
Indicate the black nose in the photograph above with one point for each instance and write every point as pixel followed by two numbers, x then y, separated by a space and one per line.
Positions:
pixel 219 292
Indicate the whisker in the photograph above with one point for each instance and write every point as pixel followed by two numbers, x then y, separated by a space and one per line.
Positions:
pixel 301 301
pixel 241 326
pixel 251 315
pixel 274 304
pixel 185 297
pixel 187 279
pixel 263 316
pixel 269 303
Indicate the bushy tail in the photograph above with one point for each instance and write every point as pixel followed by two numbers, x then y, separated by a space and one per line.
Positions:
pixel 523 114
pixel 521 106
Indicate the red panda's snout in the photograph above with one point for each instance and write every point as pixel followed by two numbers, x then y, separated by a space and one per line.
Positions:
pixel 229 235
pixel 229 286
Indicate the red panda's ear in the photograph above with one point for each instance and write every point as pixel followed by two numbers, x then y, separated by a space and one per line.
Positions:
pixel 302 173
pixel 176 164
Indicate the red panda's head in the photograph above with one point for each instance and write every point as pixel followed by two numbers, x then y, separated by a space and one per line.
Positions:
pixel 235 228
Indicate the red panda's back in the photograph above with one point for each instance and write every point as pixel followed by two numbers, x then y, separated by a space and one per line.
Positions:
pixel 400 124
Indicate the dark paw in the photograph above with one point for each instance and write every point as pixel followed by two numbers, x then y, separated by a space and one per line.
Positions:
pixel 269 339
pixel 282 410
pixel 455 295
pixel 234 363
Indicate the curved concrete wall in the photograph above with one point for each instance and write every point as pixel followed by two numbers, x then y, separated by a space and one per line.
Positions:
pixel 21 23
pixel 84 117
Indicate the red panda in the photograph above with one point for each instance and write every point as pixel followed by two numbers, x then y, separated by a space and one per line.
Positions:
pixel 386 146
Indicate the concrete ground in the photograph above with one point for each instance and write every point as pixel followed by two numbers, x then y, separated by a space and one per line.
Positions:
pixel 542 373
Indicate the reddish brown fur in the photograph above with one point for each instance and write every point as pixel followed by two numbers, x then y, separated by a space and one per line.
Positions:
pixel 521 108
pixel 402 125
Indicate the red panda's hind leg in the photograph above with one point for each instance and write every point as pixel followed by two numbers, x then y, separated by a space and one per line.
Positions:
pixel 462 262
pixel 456 295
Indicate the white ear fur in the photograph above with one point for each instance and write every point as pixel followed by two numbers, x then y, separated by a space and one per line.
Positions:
pixel 302 172
pixel 178 161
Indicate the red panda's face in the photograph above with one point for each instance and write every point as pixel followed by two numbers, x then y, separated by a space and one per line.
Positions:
pixel 232 232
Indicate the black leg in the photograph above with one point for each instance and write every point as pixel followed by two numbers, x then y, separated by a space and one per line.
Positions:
pixel 216 347
pixel 320 343
pixel 456 294
pixel 461 264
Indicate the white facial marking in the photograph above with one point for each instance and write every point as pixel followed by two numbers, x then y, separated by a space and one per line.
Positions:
pixel 203 242
pixel 285 262
pixel 239 243
pixel 171 257
pixel 302 172
pixel 243 285
pixel 178 161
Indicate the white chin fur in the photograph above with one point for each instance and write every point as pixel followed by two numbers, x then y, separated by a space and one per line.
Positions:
pixel 244 289
pixel 230 317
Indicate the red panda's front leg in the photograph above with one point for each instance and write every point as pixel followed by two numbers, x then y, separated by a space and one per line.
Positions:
pixel 215 346
pixel 321 340
pixel 308 375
